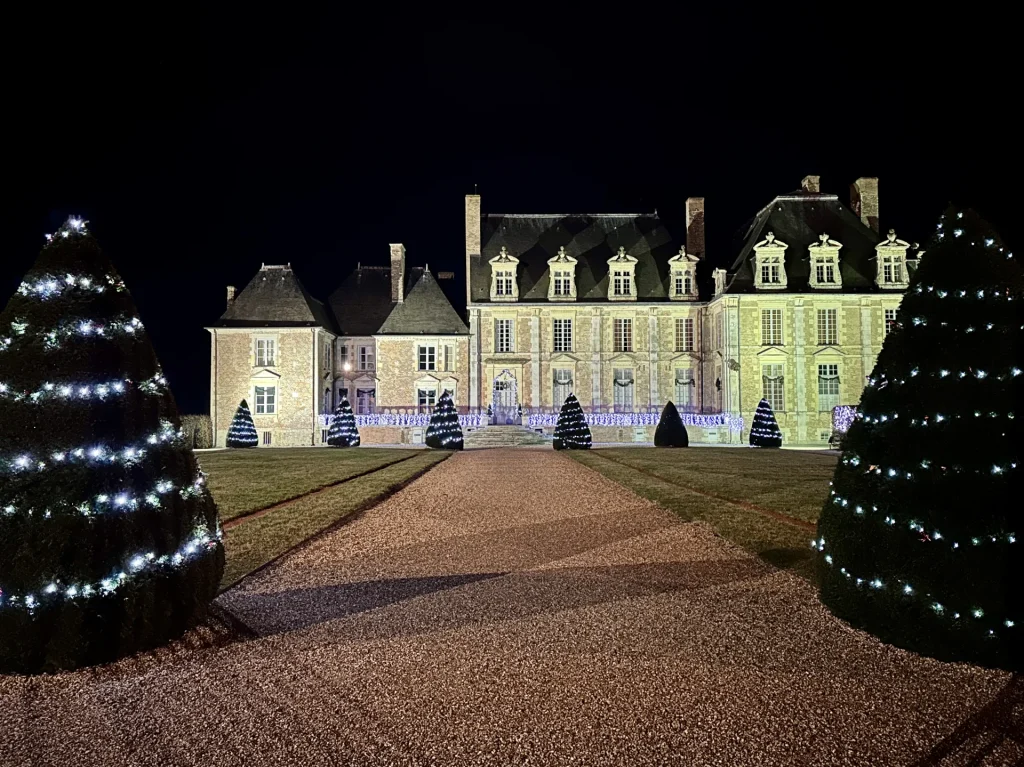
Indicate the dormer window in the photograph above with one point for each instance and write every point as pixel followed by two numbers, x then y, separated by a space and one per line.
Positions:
pixel 562 285
pixel 683 270
pixel 770 263
pixel 891 255
pixel 504 286
pixel 622 277
pixel 824 256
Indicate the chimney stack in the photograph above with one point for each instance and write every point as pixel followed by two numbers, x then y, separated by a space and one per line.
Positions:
pixel 811 184
pixel 231 295
pixel 864 200
pixel 695 226
pixel 397 273
pixel 472 237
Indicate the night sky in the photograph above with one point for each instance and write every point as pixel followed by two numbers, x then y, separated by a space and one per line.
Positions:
pixel 199 147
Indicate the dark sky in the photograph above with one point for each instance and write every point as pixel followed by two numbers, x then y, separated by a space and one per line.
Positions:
pixel 200 146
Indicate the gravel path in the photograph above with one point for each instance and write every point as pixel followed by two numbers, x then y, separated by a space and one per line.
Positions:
pixel 513 608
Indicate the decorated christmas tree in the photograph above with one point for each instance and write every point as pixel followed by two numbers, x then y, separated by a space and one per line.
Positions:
pixel 343 431
pixel 764 431
pixel 571 431
pixel 920 539
pixel 109 539
pixel 444 430
pixel 671 432
pixel 242 431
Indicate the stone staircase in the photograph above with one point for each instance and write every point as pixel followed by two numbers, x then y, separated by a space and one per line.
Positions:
pixel 502 436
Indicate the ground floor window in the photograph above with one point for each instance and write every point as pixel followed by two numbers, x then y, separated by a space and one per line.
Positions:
pixel 426 399
pixel 343 394
pixel 623 389
pixel 772 387
pixel 828 388
pixel 685 386
pixel 365 401
pixel 266 400
pixel 562 386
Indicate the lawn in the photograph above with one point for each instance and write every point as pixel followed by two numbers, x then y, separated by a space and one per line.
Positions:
pixel 249 480
pixel 790 483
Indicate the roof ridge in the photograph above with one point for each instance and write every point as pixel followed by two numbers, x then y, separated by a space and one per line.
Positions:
pixel 653 214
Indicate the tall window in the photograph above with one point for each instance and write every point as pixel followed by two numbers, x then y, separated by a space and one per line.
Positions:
pixel 266 349
pixel 683 283
pixel 621 285
pixel 426 399
pixel 827 335
pixel 428 358
pixel 503 282
pixel 562 386
pixel 719 334
pixel 685 387
pixel 771 327
pixel 684 334
pixel 366 361
pixel 563 335
pixel 503 335
pixel 892 269
pixel 890 320
pixel 365 400
pixel 622 387
pixel 563 281
pixel 266 400
pixel 448 358
pixel 828 387
pixel 342 394
pixel 825 269
pixel 327 354
pixel 623 332
pixel 342 356
pixel 773 390
pixel 771 270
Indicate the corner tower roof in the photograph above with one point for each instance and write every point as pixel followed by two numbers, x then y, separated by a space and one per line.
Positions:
pixel 275 298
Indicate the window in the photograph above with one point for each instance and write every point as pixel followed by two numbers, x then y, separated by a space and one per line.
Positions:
pixel 892 269
pixel 623 334
pixel 366 361
pixel 268 438
pixel 827 327
pixel 503 282
pixel 685 386
pixel 343 356
pixel 327 401
pixel 327 354
pixel 503 335
pixel 563 335
pixel 771 270
pixel 428 358
pixel 771 327
pixel 622 286
pixel 890 320
pixel 426 399
pixel 365 400
pixel 684 334
pixel 342 394
pixel 449 358
pixel 771 376
pixel 828 388
pixel 825 269
pixel 562 386
pixel 266 400
pixel 719 335
pixel 683 283
pixel 563 282
pixel 265 356
pixel 623 389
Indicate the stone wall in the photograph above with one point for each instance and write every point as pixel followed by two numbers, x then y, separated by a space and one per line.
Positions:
pixel 399 375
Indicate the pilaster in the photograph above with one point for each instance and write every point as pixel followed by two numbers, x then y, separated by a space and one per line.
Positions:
pixel 652 334
pixel 595 364
pixel 799 362
pixel 474 358
pixel 535 361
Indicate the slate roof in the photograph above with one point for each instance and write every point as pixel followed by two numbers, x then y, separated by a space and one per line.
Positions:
pixel 275 298
pixel 363 301
pixel 425 310
pixel 590 238
pixel 797 219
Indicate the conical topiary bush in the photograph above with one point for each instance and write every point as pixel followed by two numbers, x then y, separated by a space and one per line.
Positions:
pixel 920 538
pixel 671 432
pixel 109 539
pixel 444 430
pixel 343 431
pixel 764 431
pixel 572 431
pixel 242 431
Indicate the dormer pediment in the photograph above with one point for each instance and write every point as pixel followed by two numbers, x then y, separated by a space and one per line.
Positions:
pixel 504 281
pixel 824 257
pixel 683 276
pixel 770 263
pixel 891 262
pixel 622 277
pixel 562 276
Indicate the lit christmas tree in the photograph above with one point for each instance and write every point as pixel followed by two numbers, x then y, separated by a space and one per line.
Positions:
pixel 671 432
pixel 571 431
pixel 343 431
pixel 242 431
pixel 918 539
pixel 444 430
pixel 764 431
pixel 109 539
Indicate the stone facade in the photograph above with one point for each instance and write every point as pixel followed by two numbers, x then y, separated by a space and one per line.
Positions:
pixel 401 378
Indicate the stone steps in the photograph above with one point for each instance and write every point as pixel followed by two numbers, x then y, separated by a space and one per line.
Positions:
pixel 502 436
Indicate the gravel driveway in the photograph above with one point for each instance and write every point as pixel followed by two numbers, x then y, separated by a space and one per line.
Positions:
pixel 513 608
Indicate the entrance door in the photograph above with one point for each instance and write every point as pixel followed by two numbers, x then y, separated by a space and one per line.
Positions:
pixel 505 400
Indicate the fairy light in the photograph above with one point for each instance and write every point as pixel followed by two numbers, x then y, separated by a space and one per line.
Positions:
pixel 342 431
pixel 572 431
pixel 444 430
pixel 68 390
pixel 52 285
pixel 128 455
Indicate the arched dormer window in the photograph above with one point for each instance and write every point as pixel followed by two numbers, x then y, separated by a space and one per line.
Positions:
pixel 683 276
pixel 770 263
pixel 891 258
pixel 622 277
pixel 824 256
pixel 504 285
pixel 562 277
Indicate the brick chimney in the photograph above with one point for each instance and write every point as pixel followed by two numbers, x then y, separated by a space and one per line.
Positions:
pixel 231 295
pixel 811 184
pixel 472 237
pixel 864 200
pixel 695 226
pixel 397 273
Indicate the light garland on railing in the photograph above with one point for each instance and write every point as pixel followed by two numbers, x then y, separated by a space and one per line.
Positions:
pixel 77 391
pixel 405 419
pixel 735 423
pixel 905 590
pixel 126 456
pixel 49 286
pixel 136 566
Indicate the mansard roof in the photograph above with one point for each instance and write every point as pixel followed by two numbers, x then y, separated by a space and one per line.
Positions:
pixel 275 298
pixel 592 239
pixel 425 311
pixel 798 219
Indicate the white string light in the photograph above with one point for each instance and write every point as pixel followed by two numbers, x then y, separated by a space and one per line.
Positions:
pixel 444 428
pixel 65 329
pixel 79 390
pixel 892 472
pixel 51 285
pixel 978 293
pixel 95 454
